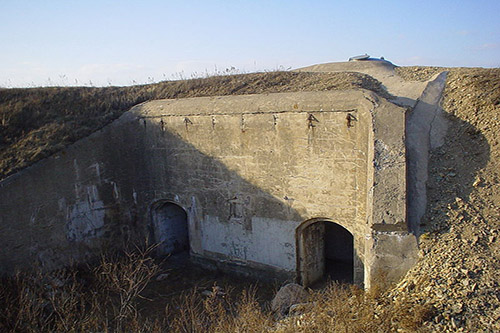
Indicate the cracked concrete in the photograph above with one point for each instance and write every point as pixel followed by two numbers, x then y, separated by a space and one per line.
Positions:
pixel 426 129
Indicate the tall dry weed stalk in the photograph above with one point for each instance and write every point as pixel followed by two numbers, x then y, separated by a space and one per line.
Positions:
pixel 337 308
pixel 347 308
pixel 125 278
pixel 104 299
pixel 47 302
pixel 76 300
pixel 218 313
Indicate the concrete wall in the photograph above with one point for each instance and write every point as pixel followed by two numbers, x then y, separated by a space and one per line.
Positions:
pixel 74 203
pixel 248 170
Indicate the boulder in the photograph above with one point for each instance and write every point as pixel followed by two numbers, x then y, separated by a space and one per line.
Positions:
pixel 287 296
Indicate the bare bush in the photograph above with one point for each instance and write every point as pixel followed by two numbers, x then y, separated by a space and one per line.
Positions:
pixel 105 299
pixel 65 301
pixel 125 278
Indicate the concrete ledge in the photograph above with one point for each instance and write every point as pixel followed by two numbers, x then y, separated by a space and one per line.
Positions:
pixel 217 262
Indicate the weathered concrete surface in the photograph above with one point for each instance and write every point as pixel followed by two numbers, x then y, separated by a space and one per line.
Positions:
pixel 295 159
pixel 393 254
pixel 73 204
pixel 426 129
pixel 248 171
pixel 169 228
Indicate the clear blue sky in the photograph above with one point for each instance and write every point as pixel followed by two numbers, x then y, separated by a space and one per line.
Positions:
pixel 46 42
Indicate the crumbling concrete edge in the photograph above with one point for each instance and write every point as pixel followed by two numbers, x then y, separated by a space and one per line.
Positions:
pixel 426 128
pixel 390 248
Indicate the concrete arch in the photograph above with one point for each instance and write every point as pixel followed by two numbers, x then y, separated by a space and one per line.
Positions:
pixel 308 222
pixel 325 249
pixel 160 202
pixel 169 227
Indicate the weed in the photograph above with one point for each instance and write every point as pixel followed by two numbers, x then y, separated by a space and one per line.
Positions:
pixel 37 122
pixel 104 299
pixel 79 300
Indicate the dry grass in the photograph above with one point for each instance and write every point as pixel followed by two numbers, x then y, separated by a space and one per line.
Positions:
pixel 37 122
pixel 342 308
pixel 338 308
pixel 104 299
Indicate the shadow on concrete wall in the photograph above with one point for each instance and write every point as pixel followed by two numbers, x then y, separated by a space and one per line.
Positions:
pixel 169 228
pixel 325 251
pixel 177 171
pixel 96 195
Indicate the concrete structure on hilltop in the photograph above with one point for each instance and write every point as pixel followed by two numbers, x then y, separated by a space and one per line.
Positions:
pixel 306 184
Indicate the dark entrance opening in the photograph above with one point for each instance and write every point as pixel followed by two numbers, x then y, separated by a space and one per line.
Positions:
pixel 339 253
pixel 169 229
pixel 325 252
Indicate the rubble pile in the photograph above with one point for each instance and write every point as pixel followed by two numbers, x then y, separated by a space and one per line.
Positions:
pixel 459 270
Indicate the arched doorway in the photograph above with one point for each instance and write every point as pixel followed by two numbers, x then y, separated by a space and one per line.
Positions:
pixel 325 250
pixel 169 228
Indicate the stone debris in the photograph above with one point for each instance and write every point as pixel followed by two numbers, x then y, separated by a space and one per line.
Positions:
pixel 288 295
pixel 459 269
pixel 300 308
pixel 215 291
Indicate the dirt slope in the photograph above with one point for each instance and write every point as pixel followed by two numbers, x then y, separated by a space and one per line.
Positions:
pixel 459 272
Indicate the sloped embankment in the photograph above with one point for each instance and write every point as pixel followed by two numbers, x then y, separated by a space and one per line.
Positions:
pixel 37 122
pixel 459 272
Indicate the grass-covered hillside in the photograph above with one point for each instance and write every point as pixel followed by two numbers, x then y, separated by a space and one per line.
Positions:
pixel 37 122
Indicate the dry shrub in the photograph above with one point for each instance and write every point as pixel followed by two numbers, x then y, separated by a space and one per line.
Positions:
pixel 104 299
pixel 80 300
pixel 337 308
pixel 47 302
pixel 125 278
pixel 250 316
pixel 347 308
pixel 219 313
pixel 189 317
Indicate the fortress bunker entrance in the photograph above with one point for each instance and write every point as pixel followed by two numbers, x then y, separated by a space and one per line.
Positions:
pixel 169 228
pixel 325 251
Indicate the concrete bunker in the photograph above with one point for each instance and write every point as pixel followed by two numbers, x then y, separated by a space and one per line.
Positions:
pixel 231 178
pixel 169 228
pixel 325 251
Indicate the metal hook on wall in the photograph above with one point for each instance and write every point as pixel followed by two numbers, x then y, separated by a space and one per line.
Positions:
pixel 350 119
pixel 311 118
pixel 187 122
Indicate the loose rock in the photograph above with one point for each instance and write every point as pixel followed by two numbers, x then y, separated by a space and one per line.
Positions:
pixel 287 296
